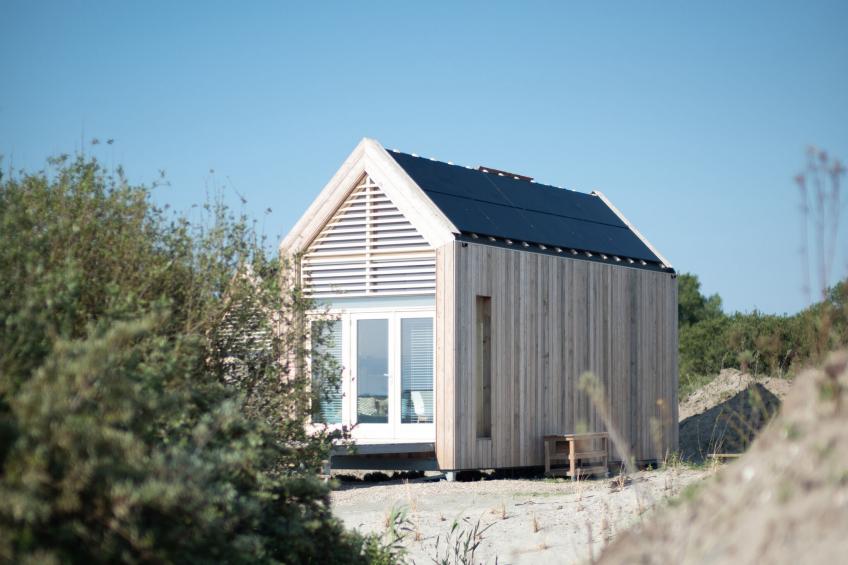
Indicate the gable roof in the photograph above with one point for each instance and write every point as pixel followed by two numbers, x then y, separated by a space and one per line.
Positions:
pixel 489 204
pixel 447 202
pixel 371 159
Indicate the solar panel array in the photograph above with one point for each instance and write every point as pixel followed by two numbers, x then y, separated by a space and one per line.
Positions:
pixel 504 207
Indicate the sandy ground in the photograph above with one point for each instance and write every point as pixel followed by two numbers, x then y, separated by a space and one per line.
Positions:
pixel 527 520
pixel 534 520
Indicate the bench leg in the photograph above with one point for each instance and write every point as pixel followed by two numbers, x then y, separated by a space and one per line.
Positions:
pixel 572 460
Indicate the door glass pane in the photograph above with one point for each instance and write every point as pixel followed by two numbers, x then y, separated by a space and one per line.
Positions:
pixel 416 370
pixel 326 372
pixel 372 371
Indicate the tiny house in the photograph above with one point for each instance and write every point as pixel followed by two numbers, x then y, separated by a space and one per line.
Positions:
pixel 467 304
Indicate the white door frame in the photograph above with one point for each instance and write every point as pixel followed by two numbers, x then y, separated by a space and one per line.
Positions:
pixel 394 430
pixel 371 431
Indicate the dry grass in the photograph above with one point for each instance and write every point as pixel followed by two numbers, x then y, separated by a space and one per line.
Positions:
pixel 579 487
pixel 500 511
pixel 535 523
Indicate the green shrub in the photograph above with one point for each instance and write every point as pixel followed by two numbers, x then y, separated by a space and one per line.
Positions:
pixel 692 306
pixel 759 343
pixel 123 434
pixel 702 349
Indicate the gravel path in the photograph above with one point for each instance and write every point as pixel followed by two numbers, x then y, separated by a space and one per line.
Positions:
pixel 526 521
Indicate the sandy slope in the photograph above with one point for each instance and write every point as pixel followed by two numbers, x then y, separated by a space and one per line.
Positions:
pixel 784 501
pixel 728 383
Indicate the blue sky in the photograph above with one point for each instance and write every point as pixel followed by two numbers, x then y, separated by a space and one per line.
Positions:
pixel 693 119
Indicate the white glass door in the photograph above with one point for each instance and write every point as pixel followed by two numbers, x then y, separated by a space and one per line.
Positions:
pixel 372 371
pixel 392 378
pixel 373 387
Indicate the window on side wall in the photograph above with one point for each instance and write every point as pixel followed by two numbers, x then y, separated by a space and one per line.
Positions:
pixel 483 365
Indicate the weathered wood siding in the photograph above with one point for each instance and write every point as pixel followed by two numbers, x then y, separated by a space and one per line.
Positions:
pixel 446 406
pixel 553 318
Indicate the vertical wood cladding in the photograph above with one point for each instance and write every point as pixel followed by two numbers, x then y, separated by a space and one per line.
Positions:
pixel 552 320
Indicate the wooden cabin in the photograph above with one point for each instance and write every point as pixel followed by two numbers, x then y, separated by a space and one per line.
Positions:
pixel 468 302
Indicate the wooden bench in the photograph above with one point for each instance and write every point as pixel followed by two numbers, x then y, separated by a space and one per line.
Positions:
pixel 586 454
pixel 724 456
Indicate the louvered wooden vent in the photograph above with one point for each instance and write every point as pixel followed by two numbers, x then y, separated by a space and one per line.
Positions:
pixel 369 248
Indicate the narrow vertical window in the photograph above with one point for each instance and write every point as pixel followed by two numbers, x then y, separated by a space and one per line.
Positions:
pixel 416 370
pixel 326 372
pixel 483 365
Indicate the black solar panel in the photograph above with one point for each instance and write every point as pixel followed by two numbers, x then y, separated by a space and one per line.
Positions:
pixel 505 207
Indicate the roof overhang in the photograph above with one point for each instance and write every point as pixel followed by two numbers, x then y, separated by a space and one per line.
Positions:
pixel 369 157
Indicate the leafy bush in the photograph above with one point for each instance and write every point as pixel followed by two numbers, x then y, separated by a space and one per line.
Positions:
pixel 692 306
pixel 760 343
pixel 124 435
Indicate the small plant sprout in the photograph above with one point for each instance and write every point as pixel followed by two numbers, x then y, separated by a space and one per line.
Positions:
pixel 500 511
pixel 413 500
pixel 460 544
pixel 606 525
pixel 620 481
pixel 590 539
pixel 579 487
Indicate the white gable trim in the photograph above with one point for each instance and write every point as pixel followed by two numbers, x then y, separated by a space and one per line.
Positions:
pixel 617 212
pixel 369 157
